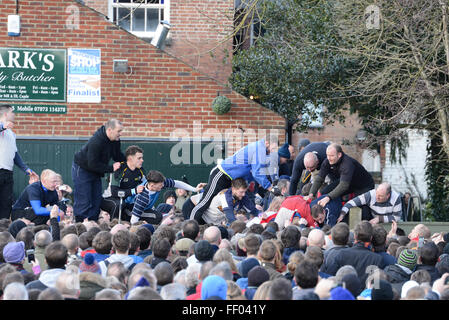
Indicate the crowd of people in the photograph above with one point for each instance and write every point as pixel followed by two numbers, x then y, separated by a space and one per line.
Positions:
pixel 267 225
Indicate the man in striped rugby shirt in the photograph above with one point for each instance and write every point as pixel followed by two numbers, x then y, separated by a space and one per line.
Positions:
pixel 385 204
pixel 144 203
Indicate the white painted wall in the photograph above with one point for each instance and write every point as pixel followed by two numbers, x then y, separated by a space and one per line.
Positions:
pixel 410 175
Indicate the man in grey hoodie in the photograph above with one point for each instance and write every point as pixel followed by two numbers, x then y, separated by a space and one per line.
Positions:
pixel 121 241
pixel 56 258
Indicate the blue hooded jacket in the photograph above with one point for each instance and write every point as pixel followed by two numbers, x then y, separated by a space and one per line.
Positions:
pixel 250 163
pixel 214 286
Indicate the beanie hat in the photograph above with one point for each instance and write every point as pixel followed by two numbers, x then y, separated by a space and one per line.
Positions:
pixel 284 152
pixel 89 264
pixel 224 232
pixel 214 286
pixel 352 284
pixel 164 208
pixel 339 293
pixel 170 193
pixel 203 251
pixel 257 275
pixel 383 291
pixel 246 265
pixel 408 258
pixel 149 227
pixel 303 143
pixel 15 227
pixel 14 252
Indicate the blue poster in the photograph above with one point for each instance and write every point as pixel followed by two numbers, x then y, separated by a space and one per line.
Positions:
pixel 84 75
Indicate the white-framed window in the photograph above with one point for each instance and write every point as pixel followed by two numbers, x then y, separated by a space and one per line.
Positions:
pixel 140 17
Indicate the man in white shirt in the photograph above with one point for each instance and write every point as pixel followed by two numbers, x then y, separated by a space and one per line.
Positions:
pixel 8 157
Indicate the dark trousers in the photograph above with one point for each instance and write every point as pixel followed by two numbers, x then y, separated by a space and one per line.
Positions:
pixel 187 208
pixel 217 182
pixel 30 215
pixel 6 193
pixel 112 205
pixel 151 216
pixel 86 194
pixel 366 211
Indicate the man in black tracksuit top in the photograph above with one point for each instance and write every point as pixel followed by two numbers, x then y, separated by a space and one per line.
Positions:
pixel 347 176
pixel 319 151
pixel 128 178
pixel 89 166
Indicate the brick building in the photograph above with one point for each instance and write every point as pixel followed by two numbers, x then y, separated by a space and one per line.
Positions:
pixel 166 93
pixel 161 93
pixel 160 98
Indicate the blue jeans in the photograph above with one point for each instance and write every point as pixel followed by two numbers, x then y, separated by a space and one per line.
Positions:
pixel 86 194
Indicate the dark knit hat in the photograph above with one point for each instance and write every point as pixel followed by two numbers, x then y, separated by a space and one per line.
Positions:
pixel 148 226
pixel 224 232
pixel 303 143
pixel 170 193
pixel 383 291
pixel 257 275
pixel 15 227
pixel 408 258
pixel 164 208
pixel 246 265
pixel 203 251
pixel 89 264
pixel 352 284
pixel 284 152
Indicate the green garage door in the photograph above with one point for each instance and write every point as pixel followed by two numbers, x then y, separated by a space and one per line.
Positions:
pixel 58 156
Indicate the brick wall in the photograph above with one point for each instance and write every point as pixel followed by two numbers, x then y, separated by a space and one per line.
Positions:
pixel 342 133
pixel 199 34
pixel 161 95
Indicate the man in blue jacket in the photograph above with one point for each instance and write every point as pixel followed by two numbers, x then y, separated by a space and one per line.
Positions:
pixel 89 166
pixel 37 199
pixel 250 163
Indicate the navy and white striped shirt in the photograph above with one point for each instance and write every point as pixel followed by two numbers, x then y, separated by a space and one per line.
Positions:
pixel 387 211
pixel 146 199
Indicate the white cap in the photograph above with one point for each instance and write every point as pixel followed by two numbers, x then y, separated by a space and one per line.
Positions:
pixel 407 286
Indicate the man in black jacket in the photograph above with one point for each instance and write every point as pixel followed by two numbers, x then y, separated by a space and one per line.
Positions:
pixel 310 159
pixel 347 176
pixel 427 259
pixel 128 178
pixel 89 166
pixel 361 255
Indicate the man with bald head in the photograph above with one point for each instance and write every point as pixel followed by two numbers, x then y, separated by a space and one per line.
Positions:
pixel 309 159
pixel 89 166
pixel 347 176
pixel 316 239
pixel 37 199
pixel 385 204
pixel 212 235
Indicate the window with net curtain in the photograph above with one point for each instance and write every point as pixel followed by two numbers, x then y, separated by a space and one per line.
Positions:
pixel 140 17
